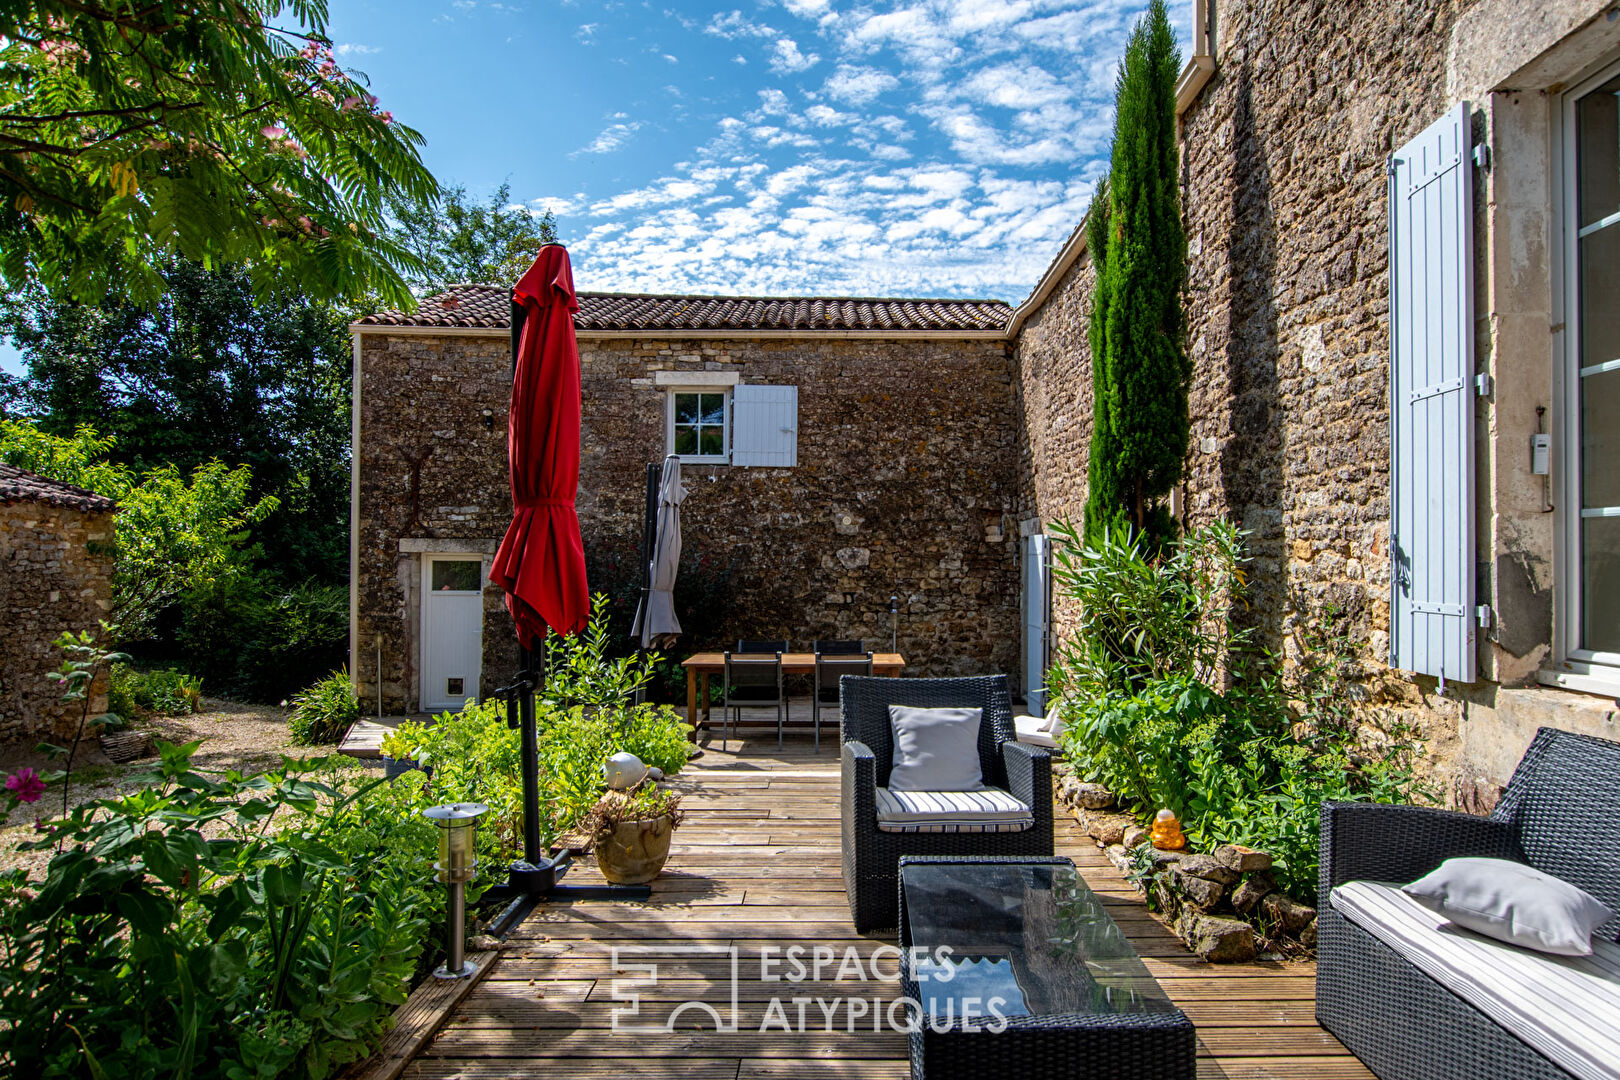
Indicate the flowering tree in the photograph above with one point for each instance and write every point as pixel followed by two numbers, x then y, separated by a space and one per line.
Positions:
pixel 215 130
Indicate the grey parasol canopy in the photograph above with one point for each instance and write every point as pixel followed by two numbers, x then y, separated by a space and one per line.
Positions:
pixel 656 625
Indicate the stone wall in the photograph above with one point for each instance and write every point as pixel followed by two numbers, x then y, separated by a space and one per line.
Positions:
pixel 905 485
pixel 1053 402
pixel 55 575
pixel 1284 189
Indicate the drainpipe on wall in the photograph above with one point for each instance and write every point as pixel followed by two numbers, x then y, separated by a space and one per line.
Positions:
pixel 378 639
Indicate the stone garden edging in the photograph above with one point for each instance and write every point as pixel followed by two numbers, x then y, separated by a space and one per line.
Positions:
pixel 1224 905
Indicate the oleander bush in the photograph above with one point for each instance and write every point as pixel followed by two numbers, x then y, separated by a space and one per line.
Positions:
pixel 1170 701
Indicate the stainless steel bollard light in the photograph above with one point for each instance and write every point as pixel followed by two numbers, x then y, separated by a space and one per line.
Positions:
pixel 457 865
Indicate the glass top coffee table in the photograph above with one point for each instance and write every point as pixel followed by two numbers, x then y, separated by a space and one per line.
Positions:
pixel 1017 969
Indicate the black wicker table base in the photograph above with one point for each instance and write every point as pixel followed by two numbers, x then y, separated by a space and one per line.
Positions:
pixel 1015 969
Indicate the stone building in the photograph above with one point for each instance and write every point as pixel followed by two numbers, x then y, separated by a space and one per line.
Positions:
pixel 55 548
pixel 934 456
pixel 1304 127
pixel 842 452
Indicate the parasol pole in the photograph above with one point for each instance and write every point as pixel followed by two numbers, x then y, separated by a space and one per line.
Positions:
pixel 537 877
pixel 530 676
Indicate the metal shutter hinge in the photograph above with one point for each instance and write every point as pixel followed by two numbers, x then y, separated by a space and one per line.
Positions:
pixel 1482 157
pixel 1394 164
pixel 1484 615
pixel 1482 385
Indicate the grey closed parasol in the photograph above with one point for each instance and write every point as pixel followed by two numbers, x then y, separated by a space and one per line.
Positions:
pixel 656 625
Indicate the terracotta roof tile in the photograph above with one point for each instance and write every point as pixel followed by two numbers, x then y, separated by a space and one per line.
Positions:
pixel 20 485
pixel 489 306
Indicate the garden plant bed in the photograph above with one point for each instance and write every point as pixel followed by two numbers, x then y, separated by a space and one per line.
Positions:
pixel 234 735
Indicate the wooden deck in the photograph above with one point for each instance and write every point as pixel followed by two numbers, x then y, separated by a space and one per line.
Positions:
pixel 757 864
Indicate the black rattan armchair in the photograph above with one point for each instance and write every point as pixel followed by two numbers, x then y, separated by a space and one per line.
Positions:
pixel 871 856
pixel 1559 814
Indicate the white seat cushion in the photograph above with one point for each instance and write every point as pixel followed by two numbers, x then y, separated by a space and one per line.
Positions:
pixel 1567 1008
pixel 1032 730
pixel 986 810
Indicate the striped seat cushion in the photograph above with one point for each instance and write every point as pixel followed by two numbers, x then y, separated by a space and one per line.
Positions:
pixel 987 810
pixel 1567 1008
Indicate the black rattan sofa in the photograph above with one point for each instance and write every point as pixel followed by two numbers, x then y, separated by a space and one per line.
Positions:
pixel 1560 814
pixel 872 856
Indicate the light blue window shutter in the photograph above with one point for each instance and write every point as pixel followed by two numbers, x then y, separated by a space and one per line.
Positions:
pixel 765 425
pixel 1432 615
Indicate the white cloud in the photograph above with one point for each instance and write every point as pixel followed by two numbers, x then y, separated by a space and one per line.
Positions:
pixel 611 138
pixel 587 33
pixel 349 48
pixel 786 59
pixel 859 85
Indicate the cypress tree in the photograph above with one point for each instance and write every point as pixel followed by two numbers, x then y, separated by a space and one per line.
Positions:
pixel 1140 369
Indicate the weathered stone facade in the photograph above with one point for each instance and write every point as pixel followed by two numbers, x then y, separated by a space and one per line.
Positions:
pixel 1285 202
pixel 905 484
pixel 55 575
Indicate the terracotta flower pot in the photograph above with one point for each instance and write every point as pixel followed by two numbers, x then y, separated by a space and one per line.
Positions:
pixel 634 852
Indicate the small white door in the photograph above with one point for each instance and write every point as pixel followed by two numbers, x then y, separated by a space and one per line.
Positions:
pixel 1037 606
pixel 452 630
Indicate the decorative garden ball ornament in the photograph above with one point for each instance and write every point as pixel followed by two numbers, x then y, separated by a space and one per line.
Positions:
pixel 623 771
pixel 1167 832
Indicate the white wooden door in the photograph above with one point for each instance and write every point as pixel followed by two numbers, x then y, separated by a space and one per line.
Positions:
pixel 1037 608
pixel 452 630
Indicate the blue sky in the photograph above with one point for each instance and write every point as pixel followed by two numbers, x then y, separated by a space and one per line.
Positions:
pixel 909 148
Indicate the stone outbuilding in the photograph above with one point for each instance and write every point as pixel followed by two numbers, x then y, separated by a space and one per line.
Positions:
pixel 838 452
pixel 56 555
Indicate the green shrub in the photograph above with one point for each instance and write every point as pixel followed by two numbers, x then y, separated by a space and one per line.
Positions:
pixel 256 952
pixel 1170 704
pixel 323 713
pixel 254 639
pixel 161 690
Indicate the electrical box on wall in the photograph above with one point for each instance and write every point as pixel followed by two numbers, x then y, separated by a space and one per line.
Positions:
pixel 1540 453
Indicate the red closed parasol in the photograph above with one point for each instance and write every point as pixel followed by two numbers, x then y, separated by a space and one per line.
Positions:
pixel 541 561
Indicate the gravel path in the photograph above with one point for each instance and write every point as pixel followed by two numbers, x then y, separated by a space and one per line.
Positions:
pixel 249 738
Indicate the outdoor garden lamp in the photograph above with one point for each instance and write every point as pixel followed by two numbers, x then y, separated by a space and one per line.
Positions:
pixel 457 865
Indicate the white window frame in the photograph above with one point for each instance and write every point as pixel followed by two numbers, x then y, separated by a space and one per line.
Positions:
pixel 724 457
pixel 1577 668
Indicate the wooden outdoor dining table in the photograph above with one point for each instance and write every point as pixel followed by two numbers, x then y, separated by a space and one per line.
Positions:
pixel 699 666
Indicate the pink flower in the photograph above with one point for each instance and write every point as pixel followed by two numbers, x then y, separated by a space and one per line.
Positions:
pixel 371 99
pixel 387 117
pixel 273 132
pixel 305 224
pixel 26 785
pixel 350 102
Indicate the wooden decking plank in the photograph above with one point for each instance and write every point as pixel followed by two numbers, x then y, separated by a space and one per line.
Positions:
pixel 756 865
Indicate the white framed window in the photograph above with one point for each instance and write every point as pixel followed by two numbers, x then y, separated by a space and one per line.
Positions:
pixel 698 424
pixel 1588 600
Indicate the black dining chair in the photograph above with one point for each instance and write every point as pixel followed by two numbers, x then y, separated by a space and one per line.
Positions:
pixel 761 645
pixel 831 666
pixel 753 682
pixel 839 646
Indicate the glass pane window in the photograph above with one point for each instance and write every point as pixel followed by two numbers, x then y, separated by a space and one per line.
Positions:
pixel 700 424
pixel 1596 442
pixel 455 575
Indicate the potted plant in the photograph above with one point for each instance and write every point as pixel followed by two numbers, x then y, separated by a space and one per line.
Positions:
pixel 400 747
pixel 630 832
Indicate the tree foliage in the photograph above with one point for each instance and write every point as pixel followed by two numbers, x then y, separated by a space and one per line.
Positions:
pixel 208 373
pixel 455 240
pixel 171 534
pixel 1140 368
pixel 221 131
